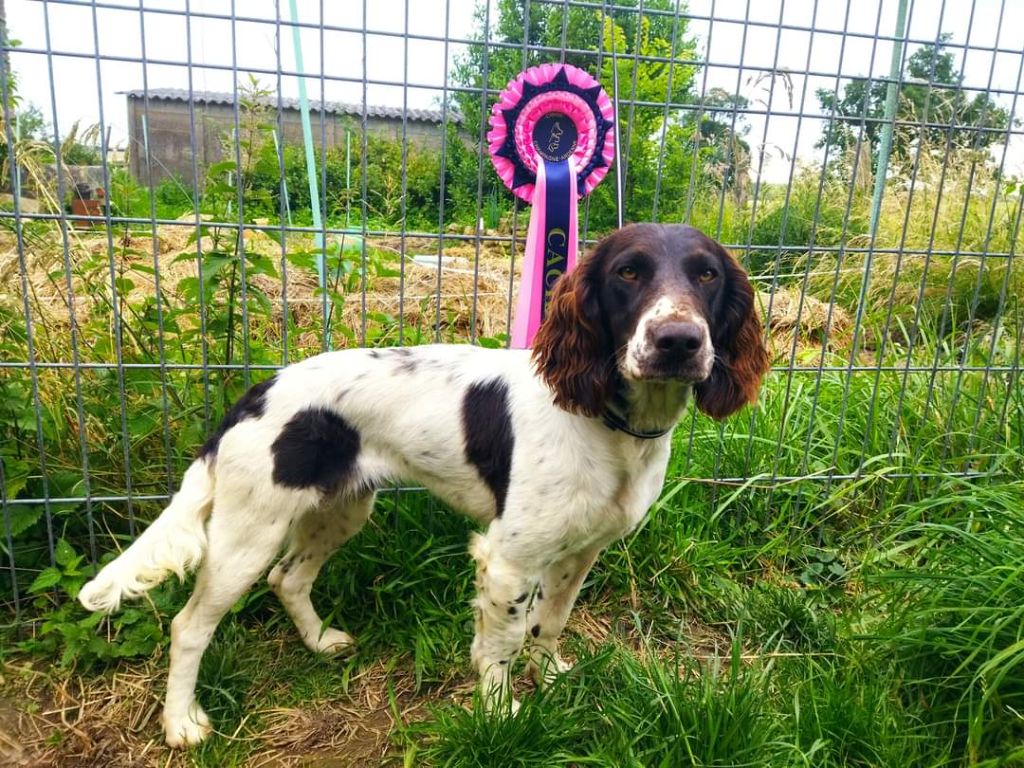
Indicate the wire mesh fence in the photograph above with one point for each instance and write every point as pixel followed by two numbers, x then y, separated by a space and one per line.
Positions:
pixel 200 194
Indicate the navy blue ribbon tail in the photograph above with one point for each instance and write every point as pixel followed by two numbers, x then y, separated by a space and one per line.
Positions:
pixel 557 217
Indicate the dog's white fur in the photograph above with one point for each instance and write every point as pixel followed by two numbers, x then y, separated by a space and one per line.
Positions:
pixel 575 486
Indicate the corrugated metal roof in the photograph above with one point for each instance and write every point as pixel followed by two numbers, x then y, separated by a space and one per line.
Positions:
pixel 331 107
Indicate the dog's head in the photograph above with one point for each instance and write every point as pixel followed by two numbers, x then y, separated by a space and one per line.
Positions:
pixel 653 302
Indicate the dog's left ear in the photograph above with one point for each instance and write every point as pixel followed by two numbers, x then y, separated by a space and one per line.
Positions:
pixel 740 357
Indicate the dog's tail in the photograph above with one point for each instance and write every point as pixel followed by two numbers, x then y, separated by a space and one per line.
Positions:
pixel 174 542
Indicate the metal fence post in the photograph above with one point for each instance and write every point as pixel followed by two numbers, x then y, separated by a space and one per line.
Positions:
pixel 891 100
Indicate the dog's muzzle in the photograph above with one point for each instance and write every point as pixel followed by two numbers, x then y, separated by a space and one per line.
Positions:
pixel 673 347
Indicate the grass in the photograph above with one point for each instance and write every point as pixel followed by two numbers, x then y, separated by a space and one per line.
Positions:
pixel 954 620
pixel 867 614
pixel 799 626
pixel 817 586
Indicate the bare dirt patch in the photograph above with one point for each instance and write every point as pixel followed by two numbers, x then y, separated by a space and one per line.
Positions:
pixel 112 720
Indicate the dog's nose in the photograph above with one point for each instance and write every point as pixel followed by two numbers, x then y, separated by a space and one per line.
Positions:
pixel 677 339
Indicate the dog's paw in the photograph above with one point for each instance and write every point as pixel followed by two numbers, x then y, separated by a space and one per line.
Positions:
pixel 332 642
pixel 505 704
pixel 186 730
pixel 544 672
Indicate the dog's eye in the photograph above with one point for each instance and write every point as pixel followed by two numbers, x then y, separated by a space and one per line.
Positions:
pixel 628 272
pixel 707 275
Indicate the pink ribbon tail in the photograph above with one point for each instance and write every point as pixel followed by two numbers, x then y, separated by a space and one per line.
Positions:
pixel 536 281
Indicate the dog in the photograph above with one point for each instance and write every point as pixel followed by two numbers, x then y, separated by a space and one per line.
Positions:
pixel 558 452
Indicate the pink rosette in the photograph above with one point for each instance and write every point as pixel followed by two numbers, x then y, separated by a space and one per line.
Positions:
pixel 551 142
pixel 532 94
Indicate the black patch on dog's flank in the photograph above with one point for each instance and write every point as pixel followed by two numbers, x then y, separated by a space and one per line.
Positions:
pixel 522 598
pixel 487 425
pixel 535 630
pixel 511 610
pixel 316 449
pixel 248 406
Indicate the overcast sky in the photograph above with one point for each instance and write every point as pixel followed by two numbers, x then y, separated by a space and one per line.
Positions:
pixel 72 32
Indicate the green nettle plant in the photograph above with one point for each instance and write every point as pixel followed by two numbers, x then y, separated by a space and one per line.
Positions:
pixel 227 267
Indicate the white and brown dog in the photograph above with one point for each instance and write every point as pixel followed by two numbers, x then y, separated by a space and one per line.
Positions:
pixel 558 452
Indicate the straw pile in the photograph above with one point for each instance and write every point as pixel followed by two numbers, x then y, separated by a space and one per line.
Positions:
pixel 790 315
pixel 473 289
pixel 473 285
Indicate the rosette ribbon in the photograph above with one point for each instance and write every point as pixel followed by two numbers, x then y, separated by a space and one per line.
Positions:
pixel 551 141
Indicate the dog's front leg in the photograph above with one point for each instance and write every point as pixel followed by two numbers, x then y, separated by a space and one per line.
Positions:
pixel 503 588
pixel 559 586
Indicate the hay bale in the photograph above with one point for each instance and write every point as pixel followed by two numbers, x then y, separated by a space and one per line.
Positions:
pixel 791 316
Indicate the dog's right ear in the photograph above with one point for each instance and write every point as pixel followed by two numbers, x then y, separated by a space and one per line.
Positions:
pixel 741 360
pixel 571 348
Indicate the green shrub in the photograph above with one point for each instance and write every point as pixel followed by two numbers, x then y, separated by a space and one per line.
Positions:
pixel 130 199
pixel 173 199
pixel 810 218
pixel 386 200
pixel 930 293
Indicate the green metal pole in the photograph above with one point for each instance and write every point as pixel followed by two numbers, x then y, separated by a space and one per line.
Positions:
pixel 348 178
pixel 284 182
pixel 891 99
pixel 307 138
pixel 15 166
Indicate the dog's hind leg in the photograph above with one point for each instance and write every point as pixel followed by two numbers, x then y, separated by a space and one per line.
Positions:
pixel 241 542
pixel 315 537
pixel 559 586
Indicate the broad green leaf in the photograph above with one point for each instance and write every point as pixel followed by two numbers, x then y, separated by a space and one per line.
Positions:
pixel 50 577
pixel 63 553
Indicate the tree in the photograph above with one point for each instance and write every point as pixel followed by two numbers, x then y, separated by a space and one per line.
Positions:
pixel 30 124
pixel 718 130
pixel 930 94
pixel 582 32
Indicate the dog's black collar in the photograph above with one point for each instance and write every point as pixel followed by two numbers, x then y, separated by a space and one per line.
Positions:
pixel 617 423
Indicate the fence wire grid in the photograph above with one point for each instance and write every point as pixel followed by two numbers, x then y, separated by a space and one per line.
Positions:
pixel 167 243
